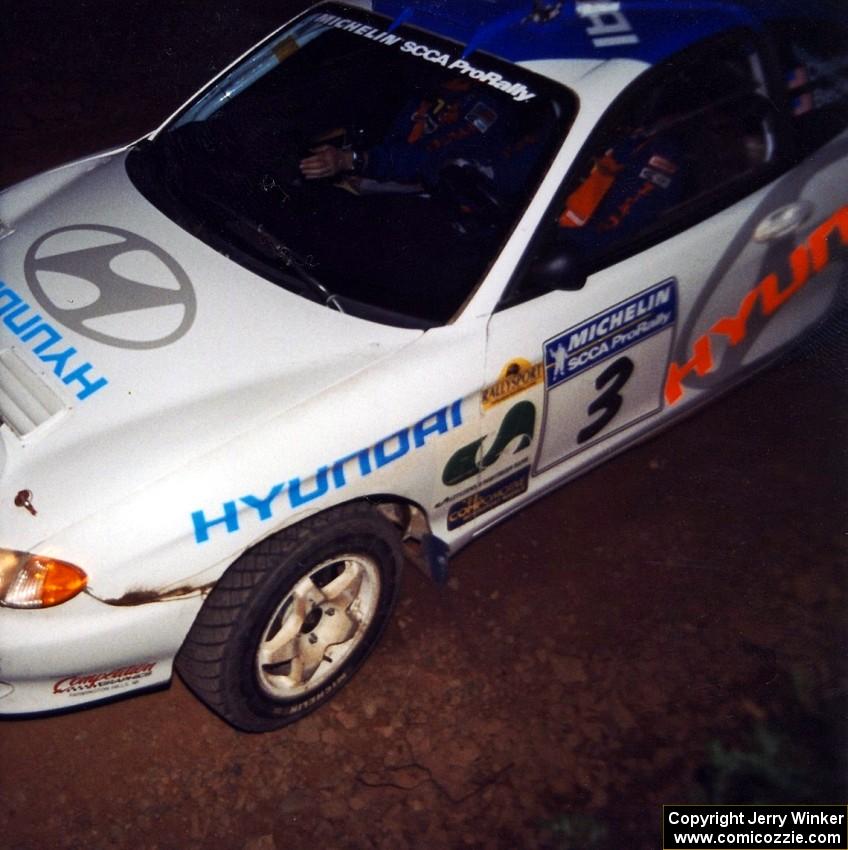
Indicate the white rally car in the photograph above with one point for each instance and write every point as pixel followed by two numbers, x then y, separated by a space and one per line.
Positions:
pixel 399 270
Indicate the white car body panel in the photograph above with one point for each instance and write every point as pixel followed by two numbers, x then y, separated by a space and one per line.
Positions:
pixel 99 656
pixel 201 375
pixel 224 409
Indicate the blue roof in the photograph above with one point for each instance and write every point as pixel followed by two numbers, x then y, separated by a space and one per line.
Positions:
pixel 648 30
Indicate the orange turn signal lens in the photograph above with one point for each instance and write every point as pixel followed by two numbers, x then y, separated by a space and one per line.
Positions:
pixel 33 581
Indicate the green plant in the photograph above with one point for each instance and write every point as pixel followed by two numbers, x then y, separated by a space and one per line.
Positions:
pixel 578 832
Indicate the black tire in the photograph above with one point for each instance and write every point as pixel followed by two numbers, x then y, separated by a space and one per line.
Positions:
pixel 293 618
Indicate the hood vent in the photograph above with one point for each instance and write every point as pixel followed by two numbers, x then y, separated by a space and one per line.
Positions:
pixel 26 402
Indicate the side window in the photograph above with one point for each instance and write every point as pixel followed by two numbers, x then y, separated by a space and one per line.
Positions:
pixel 695 129
pixel 813 57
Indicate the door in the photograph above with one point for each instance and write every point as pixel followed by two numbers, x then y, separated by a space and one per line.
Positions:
pixel 702 244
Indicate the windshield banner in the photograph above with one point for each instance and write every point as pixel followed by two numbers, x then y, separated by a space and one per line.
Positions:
pixel 516 90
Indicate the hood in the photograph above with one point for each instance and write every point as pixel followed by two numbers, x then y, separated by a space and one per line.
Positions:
pixel 128 347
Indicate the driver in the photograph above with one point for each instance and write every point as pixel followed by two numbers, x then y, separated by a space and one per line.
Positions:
pixel 458 123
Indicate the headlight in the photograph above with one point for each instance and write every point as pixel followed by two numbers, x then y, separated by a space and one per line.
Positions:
pixel 33 581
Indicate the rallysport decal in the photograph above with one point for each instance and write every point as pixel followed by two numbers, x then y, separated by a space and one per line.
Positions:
pixel 517 91
pixel 336 475
pixel 47 344
pixel 111 680
pixel 806 260
pixel 517 376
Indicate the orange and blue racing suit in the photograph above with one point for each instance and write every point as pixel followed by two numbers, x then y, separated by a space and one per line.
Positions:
pixel 459 122
pixel 628 188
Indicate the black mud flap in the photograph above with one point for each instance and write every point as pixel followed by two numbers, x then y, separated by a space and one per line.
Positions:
pixel 435 552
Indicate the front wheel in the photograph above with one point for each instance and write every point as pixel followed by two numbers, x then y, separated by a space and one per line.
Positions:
pixel 293 618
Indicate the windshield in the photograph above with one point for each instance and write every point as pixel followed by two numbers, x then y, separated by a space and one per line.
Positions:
pixel 374 170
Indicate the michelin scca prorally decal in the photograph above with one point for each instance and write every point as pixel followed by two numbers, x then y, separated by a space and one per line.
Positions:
pixel 587 366
pixel 518 91
pixel 609 333
pixel 111 285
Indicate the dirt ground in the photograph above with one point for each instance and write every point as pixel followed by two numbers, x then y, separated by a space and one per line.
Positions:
pixel 668 628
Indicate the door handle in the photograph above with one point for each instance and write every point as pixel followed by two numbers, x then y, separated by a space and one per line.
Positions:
pixel 783 221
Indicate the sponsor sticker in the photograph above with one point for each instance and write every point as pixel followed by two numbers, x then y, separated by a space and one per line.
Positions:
pixel 517 376
pixel 607 25
pixel 516 90
pixel 605 374
pixel 515 432
pixel 488 498
pixel 610 333
pixel 110 680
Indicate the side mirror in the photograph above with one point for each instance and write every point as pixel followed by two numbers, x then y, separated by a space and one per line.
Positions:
pixel 557 267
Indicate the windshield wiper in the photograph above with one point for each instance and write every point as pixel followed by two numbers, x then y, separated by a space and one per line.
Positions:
pixel 256 236
pixel 300 267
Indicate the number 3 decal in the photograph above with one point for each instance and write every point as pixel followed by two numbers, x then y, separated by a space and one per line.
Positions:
pixel 617 374
pixel 605 375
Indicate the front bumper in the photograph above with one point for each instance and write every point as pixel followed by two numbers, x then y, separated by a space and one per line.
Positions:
pixel 85 651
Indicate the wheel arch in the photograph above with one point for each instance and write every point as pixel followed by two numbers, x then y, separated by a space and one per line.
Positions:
pixel 407 515
pixel 233 624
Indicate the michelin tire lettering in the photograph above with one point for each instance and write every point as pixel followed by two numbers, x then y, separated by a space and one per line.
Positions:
pixel 331 476
pixel 117 295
